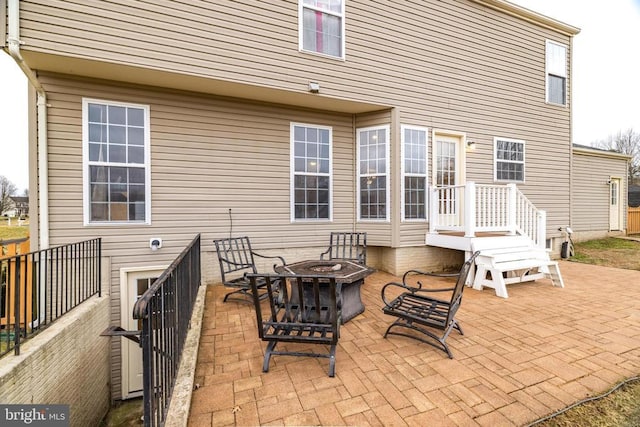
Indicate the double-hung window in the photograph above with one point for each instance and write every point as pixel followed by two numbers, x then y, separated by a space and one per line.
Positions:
pixel 509 160
pixel 373 173
pixel 311 172
pixel 414 173
pixel 116 162
pixel 556 70
pixel 322 26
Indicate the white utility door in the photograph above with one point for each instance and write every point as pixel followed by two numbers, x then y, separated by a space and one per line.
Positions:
pixel 448 159
pixel 137 282
pixel 614 205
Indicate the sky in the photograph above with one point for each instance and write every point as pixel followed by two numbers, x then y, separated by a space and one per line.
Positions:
pixel 606 78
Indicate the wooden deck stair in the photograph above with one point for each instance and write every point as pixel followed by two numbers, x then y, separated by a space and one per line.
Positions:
pixel 501 223
pixel 511 259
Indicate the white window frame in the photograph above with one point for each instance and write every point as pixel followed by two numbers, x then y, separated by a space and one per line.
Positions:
pixel 387 174
pixel 86 163
pixel 293 172
pixel 549 71
pixel 496 160
pixel 341 15
pixel 405 174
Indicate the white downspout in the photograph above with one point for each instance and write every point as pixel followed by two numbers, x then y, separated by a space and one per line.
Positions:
pixel 13 42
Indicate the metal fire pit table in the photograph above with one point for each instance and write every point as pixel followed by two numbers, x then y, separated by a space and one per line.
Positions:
pixel 348 274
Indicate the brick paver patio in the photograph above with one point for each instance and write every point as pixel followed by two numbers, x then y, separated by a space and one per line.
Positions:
pixel 520 359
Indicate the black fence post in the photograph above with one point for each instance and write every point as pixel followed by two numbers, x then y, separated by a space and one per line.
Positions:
pixel 99 255
pixel 16 308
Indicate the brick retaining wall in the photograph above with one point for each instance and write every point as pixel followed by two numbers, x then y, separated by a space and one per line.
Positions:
pixel 68 363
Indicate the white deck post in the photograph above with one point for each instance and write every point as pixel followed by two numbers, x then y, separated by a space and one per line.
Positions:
pixel 512 208
pixel 433 210
pixel 542 230
pixel 470 209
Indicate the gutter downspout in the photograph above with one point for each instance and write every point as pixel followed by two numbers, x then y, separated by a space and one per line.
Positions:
pixel 13 42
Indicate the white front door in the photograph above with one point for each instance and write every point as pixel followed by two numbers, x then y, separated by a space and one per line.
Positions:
pixel 137 282
pixel 614 204
pixel 448 166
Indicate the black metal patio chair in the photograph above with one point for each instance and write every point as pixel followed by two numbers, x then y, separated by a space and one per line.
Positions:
pixel 312 319
pixel 236 259
pixel 416 310
pixel 350 246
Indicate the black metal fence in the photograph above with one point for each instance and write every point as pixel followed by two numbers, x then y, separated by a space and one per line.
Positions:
pixel 38 287
pixel 165 310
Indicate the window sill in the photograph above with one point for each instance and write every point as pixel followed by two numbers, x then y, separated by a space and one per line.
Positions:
pixel 117 224
pixel 553 104
pixel 322 55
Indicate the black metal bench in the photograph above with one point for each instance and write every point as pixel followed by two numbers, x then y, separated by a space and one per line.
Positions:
pixel 313 319
pixel 420 312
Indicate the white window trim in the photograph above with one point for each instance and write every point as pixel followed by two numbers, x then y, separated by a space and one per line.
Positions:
pixel 546 73
pixel 404 174
pixel 292 171
pixel 85 164
pixel 386 129
pixel 301 48
pixel 523 162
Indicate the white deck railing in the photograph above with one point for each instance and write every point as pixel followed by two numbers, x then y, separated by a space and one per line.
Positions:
pixel 473 208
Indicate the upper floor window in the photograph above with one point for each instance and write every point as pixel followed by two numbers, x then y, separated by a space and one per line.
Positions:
pixel 556 73
pixel 116 162
pixel 414 173
pixel 373 173
pixel 322 26
pixel 509 160
pixel 310 172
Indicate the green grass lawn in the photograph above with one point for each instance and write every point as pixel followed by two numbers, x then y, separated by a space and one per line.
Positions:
pixel 621 408
pixel 14 231
pixel 610 252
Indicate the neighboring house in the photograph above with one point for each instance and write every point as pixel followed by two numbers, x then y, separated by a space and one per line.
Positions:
pixel 21 205
pixel 634 196
pixel 598 192
pixel 18 207
pixel 286 120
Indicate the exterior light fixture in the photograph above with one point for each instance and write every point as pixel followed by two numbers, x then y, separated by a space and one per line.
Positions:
pixel 155 243
pixel 471 145
pixel 314 87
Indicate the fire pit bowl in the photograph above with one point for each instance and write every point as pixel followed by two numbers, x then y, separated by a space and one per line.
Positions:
pixel 324 268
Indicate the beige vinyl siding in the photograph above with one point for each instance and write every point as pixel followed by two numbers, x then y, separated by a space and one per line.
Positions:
pixel 467 68
pixel 208 155
pixel 591 192
pixel 482 54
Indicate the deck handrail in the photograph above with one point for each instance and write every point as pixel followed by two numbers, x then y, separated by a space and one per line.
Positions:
pixel 165 311
pixel 473 208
